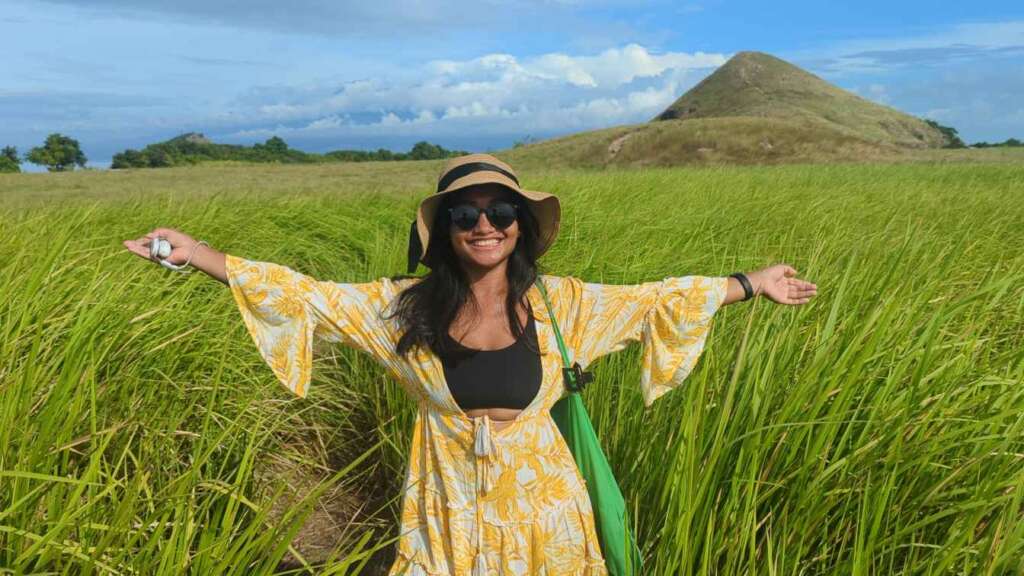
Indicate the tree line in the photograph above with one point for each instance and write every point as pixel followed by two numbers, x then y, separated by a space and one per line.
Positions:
pixel 60 153
pixel 193 148
pixel 1008 143
pixel 953 139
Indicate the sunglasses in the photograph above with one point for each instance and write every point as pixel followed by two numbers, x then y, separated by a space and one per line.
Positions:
pixel 499 213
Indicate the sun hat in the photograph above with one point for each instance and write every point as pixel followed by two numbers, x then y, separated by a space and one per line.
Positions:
pixel 472 170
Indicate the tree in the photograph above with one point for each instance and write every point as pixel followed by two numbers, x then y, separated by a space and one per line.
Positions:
pixel 9 161
pixel 276 145
pixel 952 138
pixel 424 150
pixel 58 153
pixel 11 153
pixel 158 157
pixel 129 159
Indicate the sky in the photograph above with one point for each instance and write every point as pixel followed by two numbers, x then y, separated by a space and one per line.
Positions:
pixel 474 75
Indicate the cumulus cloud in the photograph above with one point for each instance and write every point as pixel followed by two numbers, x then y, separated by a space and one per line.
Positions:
pixel 493 93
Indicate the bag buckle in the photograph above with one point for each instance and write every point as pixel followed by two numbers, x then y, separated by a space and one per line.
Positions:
pixel 575 378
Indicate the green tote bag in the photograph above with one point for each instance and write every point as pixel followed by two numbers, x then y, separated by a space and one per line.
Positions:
pixel 622 557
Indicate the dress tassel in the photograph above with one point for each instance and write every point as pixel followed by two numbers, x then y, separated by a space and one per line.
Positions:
pixel 482 443
pixel 486 473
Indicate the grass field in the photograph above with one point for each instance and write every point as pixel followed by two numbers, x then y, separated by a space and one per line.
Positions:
pixel 877 430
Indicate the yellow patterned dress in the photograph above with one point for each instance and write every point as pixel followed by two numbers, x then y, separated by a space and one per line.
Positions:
pixel 477 500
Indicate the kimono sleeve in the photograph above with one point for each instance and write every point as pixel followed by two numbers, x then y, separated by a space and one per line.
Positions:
pixel 670 318
pixel 284 311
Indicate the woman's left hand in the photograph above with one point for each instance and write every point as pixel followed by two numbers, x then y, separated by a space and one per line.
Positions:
pixel 777 283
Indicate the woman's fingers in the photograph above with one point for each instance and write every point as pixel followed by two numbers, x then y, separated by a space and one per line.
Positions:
pixel 176 238
pixel 782 287
pixel 136 247
pixel 141 245
pixel 793 291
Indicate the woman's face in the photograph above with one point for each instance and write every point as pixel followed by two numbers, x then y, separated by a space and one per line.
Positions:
pixel 476 248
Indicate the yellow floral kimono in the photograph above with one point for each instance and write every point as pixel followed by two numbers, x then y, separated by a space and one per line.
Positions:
pixel 478 500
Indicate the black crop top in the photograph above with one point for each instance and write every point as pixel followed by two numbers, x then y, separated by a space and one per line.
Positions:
pixel 505 378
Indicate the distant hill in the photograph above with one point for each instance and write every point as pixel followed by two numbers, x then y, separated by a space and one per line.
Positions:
pixel 754 109
pixel 760 85
pixel 194 148
pixel 190 138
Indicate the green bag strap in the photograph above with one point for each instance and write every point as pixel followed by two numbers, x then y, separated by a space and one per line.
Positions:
pixel 575 378
pixel 628 559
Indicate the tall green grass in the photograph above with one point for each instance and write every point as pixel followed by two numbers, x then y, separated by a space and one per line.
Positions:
pixel 877 430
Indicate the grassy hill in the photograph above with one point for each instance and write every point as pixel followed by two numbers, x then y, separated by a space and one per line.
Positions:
pixel 755 109
pixel 730 141
pixel 735 140
pixel 761 85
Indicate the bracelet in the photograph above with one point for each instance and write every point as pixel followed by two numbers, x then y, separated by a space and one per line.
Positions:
pixel 748 290
pixel 184 267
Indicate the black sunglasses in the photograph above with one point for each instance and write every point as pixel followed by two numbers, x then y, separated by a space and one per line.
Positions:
pixel 499 213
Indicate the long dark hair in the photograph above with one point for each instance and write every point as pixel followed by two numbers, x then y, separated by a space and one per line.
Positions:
pixel 426 309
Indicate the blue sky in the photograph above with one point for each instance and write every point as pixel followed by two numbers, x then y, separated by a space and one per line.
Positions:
pixel 475 75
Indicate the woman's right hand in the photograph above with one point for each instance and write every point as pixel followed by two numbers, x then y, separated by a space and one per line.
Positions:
pixel 181 245
pixel 204 258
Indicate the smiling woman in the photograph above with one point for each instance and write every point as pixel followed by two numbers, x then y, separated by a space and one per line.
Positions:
pixel 491 485
pixel 481 245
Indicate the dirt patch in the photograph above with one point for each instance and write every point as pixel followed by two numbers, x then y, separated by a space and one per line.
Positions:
pixel 333 510
pixel 616 145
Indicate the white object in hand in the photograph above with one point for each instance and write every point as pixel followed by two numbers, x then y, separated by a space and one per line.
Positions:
pixel 164 250
pixel 159 248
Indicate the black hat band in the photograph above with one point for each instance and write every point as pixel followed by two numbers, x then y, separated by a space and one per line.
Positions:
pixel 469 168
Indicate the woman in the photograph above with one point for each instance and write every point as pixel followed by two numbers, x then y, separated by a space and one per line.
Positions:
pixel 491 487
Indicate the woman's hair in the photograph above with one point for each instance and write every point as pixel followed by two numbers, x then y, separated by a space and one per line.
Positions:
pixel 426 309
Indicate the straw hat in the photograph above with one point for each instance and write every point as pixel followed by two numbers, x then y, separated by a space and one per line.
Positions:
pixel 471 170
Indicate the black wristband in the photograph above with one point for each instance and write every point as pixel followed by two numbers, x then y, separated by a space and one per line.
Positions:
pixel 748 290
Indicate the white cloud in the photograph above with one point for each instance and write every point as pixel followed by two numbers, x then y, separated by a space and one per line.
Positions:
pixel 494 94
pixel 325 123
pixel 621 66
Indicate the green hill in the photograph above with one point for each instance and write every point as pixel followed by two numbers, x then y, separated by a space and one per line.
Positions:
pixel 755 109
pixel 729 140
pixel 760 85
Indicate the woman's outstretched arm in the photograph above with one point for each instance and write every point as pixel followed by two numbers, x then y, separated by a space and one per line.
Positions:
pixel 205 258
pixel 285 310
